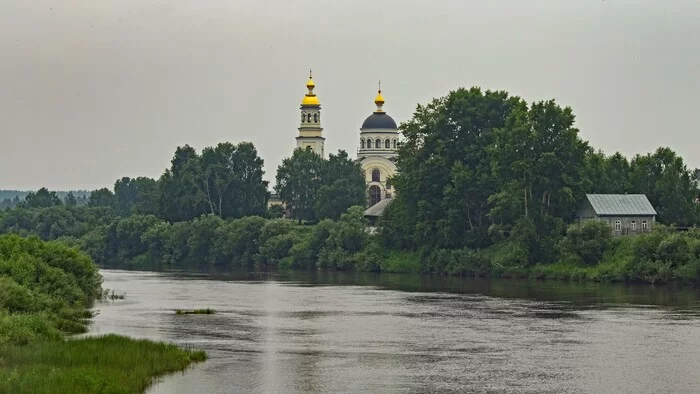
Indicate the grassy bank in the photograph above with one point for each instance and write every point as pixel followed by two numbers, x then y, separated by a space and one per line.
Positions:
pixel 46 290
pixel 109 364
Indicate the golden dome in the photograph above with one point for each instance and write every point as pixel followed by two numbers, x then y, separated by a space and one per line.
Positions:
pixel 379 100
pixel 310 97
pixel 310 100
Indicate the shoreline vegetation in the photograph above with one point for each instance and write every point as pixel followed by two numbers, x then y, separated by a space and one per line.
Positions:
pixel 46 290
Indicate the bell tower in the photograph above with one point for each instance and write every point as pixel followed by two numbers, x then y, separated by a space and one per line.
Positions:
pixel 310 130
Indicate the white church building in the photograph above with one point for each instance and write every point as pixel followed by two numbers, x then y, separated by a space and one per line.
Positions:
pixel 379 139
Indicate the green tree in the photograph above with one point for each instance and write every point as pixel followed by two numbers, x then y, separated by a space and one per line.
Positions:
pixel 70 200
pixel 445 174
pixel 136 196
pixel 42 198
pixel 668 184
pixel 343 187
pixel 298 179
pixel 102 198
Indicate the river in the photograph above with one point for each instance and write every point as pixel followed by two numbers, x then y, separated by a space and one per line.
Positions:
pixel 353 332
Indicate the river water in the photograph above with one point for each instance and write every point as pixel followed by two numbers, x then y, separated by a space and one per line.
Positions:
pixel 333 333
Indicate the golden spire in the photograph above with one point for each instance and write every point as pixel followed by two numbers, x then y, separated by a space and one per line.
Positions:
pixel 310 98
pixel 379 100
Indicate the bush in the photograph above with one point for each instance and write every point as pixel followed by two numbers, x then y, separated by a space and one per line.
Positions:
pixel 586 241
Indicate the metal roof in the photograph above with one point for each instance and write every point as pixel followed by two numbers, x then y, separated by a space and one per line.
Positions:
pixel 377 209
pixel 621 204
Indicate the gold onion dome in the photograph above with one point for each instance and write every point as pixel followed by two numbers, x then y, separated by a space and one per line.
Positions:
pixel 379 100
pixel 310 98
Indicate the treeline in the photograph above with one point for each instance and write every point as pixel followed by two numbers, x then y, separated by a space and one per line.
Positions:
pixel 13 198
pixel 226 181
pixel 479 169
pixel 148 242
pixel 487 185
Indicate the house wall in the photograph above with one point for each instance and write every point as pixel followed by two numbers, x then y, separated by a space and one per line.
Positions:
pixel 626 223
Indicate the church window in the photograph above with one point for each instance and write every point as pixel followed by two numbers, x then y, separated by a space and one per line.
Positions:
pixel 369 143
pixel 393 143
pixel 362 143
pixel 316 118
pixel 303 118
pixel 376 175
pixel 386 144
pixel 378 144
pixel 375 194
pixel 308 117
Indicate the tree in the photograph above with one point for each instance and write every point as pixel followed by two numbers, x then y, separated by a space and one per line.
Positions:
pixel 668 184
pixel 177 196
pixel 343 187
pixel 42 198
pixel 136 196
pixel 102 198
pixel 70 200
pixel 298 179
pixel 225 180
pixel 445 174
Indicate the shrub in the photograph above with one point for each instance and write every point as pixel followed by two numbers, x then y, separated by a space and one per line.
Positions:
pixel 586 241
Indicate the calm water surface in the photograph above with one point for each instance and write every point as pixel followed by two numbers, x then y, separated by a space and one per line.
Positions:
pixel 288 333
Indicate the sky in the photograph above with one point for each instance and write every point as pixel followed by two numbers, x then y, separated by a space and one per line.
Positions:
pixel 91 91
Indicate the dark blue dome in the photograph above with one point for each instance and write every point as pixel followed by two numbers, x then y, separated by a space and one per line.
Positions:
pixel 379 120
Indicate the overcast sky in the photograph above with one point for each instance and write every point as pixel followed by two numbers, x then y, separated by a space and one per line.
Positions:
pixel 94 90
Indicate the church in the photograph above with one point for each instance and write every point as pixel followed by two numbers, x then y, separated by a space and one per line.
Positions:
pixel 378 142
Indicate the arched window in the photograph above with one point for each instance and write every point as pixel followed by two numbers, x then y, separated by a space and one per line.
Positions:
pixel 362 143
pixel 393 143
pixel 378 144
pixel 316 118
pixel 369 143
pixel 376 175
pixel 303 118
pixel 386 144
pixel 308 117
pixel 375 195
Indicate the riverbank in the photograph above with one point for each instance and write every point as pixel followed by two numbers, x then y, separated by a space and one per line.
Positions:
pixel 108 364
pixel 46 290
pixel 579 252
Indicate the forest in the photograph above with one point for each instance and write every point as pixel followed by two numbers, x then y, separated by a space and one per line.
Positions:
pixel 488 185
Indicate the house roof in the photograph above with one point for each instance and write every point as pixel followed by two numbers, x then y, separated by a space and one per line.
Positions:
pixel 377 209
pixel 621 205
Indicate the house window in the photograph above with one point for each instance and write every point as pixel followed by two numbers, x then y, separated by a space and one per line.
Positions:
pixel 375 175
pixel 618 225
pixel 633 224
pixel 645 225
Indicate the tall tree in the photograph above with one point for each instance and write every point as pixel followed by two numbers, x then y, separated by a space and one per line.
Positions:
pixel 136 196
pixel 343 186
pixel 298 180
pixel 42 198
pixel 102 198
pixel 668 184
pixel 445 174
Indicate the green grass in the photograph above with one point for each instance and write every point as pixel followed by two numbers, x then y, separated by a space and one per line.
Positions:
pixel 108 364
pixel 207 311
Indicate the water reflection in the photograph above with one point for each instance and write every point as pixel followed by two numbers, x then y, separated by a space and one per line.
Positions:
pixel 330 332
